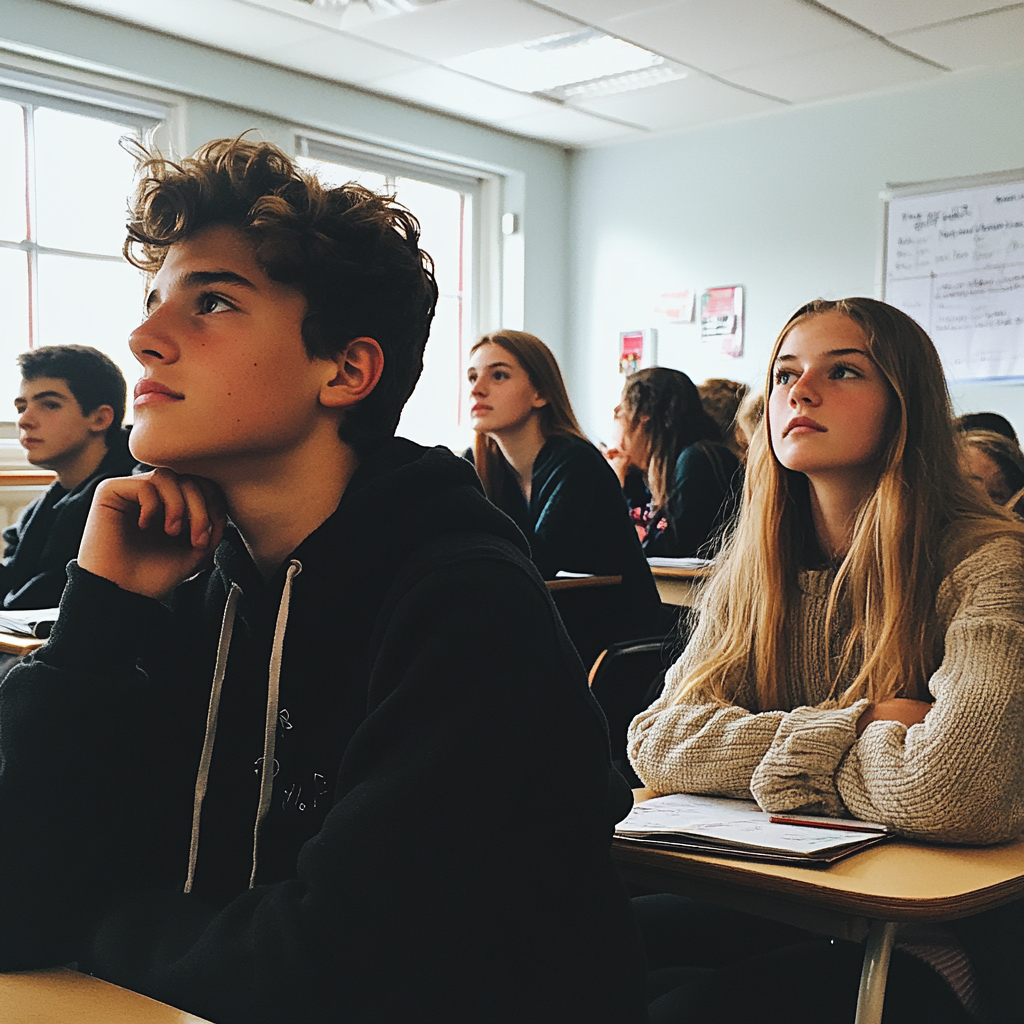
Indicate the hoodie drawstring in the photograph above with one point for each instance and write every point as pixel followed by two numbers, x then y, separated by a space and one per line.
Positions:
pixel 227 625
pixel 270 729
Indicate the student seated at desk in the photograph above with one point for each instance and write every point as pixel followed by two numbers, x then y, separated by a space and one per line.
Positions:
pixel 70 409
pixel 860 650
pixel 538 467
pixel 284 768
pixel 694 478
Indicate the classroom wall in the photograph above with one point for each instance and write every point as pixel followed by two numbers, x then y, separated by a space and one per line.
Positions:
pixel 223 95
pixel 786 205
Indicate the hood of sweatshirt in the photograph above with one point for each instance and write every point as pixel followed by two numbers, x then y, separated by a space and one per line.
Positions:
pixel 290 673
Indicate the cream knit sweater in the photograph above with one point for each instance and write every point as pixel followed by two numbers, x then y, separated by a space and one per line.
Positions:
pixel 957 777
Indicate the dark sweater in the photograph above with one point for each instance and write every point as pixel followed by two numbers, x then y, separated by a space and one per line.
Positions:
pixel 416 863
pixel 704 494
pixel 48 533
pixel 577 520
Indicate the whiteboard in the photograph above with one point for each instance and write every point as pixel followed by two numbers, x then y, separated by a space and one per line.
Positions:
pixel 954 261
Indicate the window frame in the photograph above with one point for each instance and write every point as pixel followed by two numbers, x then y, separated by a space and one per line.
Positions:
pixel 31 92
pixel 487 187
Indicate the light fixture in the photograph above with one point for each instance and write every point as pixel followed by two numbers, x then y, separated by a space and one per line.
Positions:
pixel 372 9
pixel 571 65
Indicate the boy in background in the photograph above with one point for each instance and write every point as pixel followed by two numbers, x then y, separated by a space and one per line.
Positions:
pixel 298 766
pixel 70 409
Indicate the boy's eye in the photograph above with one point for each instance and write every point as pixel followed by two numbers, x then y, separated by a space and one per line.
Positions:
pixel 782 376
pixel 52 406
pixel 500 375
pixel 210 303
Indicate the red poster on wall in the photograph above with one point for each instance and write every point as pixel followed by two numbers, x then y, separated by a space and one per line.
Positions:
pixel 721 316
pixel 636 350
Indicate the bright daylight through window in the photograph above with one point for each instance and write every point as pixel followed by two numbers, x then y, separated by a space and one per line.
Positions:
pixel 64 183
pixel 434 413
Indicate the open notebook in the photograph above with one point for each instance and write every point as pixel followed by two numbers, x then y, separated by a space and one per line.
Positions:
pixel 739 828
pixel 657 562
pixel 34 622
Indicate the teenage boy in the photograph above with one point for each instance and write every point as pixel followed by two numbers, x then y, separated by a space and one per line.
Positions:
pixel 70 409
pixel 393 803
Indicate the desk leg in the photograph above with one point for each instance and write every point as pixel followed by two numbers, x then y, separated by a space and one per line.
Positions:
pixel 876 968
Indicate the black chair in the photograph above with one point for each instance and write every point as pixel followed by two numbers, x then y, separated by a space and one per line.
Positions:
pixel 625 679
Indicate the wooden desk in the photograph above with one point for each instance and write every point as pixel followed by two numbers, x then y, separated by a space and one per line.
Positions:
pixel 576 582
pixel 677 586
pixel 14 643
pixel 60 996
pixel 863 896
pixel 26 478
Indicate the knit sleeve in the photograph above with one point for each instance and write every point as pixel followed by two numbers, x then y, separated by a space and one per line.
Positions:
pixel 699 746
pixel 959 775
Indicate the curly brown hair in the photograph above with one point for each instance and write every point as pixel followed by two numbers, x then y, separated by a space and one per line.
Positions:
pixel 352 253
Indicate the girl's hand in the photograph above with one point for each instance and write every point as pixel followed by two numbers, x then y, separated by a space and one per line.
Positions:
pixel 619 462
pixel 150 532
pixel 898 709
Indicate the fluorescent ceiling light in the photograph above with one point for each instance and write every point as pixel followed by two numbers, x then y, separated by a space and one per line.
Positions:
pixel 569 65
pixel 371 9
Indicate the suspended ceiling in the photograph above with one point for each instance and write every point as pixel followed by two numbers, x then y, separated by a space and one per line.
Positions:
pixel 739 57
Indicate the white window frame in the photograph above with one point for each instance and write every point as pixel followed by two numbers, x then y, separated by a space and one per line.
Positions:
pixel 485 186
pixel 32 88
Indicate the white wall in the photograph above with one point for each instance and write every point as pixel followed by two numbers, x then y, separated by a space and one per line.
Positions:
pixel 786 205
pixel 224 95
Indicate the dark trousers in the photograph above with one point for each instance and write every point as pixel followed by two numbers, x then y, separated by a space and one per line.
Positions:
pixel 710 965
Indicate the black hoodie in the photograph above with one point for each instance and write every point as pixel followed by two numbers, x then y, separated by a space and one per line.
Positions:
pixel 417 862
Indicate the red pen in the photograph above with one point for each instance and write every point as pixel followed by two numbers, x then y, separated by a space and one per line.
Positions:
pixel 816 821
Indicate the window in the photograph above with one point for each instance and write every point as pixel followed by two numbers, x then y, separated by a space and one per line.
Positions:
pixel 64 184
pixel 448 206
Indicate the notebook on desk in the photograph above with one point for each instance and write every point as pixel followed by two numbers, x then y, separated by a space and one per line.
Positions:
pixel 739 828
pixel 657 562
pixel 34 622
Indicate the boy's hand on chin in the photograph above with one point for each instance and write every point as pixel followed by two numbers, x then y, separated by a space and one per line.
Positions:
pixel 150 532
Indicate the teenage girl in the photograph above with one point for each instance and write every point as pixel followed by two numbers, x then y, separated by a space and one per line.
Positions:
pixel 538 467
pixel 693 477
pixel 860 652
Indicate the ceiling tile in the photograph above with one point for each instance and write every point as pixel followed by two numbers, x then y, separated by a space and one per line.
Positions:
pixel 989 39
pixel 887 17
pixel 600 12
pixel 681 104
pixel 719 35
pixel 238 27
pixel 459 94
pixel 569 127
pixel 456 27
pixel 342 58
pixel 853 69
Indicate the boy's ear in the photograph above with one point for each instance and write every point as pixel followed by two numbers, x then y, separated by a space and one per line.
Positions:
pixel 100 419
pixel 358 370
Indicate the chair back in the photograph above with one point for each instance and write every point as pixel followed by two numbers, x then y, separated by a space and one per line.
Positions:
pixel 621 680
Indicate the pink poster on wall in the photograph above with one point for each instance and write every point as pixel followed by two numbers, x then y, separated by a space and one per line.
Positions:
pixel 637 350
pixel 721 316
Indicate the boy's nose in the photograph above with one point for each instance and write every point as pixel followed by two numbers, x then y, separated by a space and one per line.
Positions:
pixel 152 340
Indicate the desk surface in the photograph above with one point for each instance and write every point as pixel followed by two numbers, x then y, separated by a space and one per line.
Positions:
pixel 574 582
pixel 896 881
pixel 60 996
pixel 13 643
pixel 674 572
pixel 26 478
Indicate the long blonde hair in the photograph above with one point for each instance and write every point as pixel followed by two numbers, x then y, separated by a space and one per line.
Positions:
pixel 921 519
pixel 556 417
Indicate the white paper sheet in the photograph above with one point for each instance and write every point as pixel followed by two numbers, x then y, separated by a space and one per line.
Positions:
pixel 730 822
